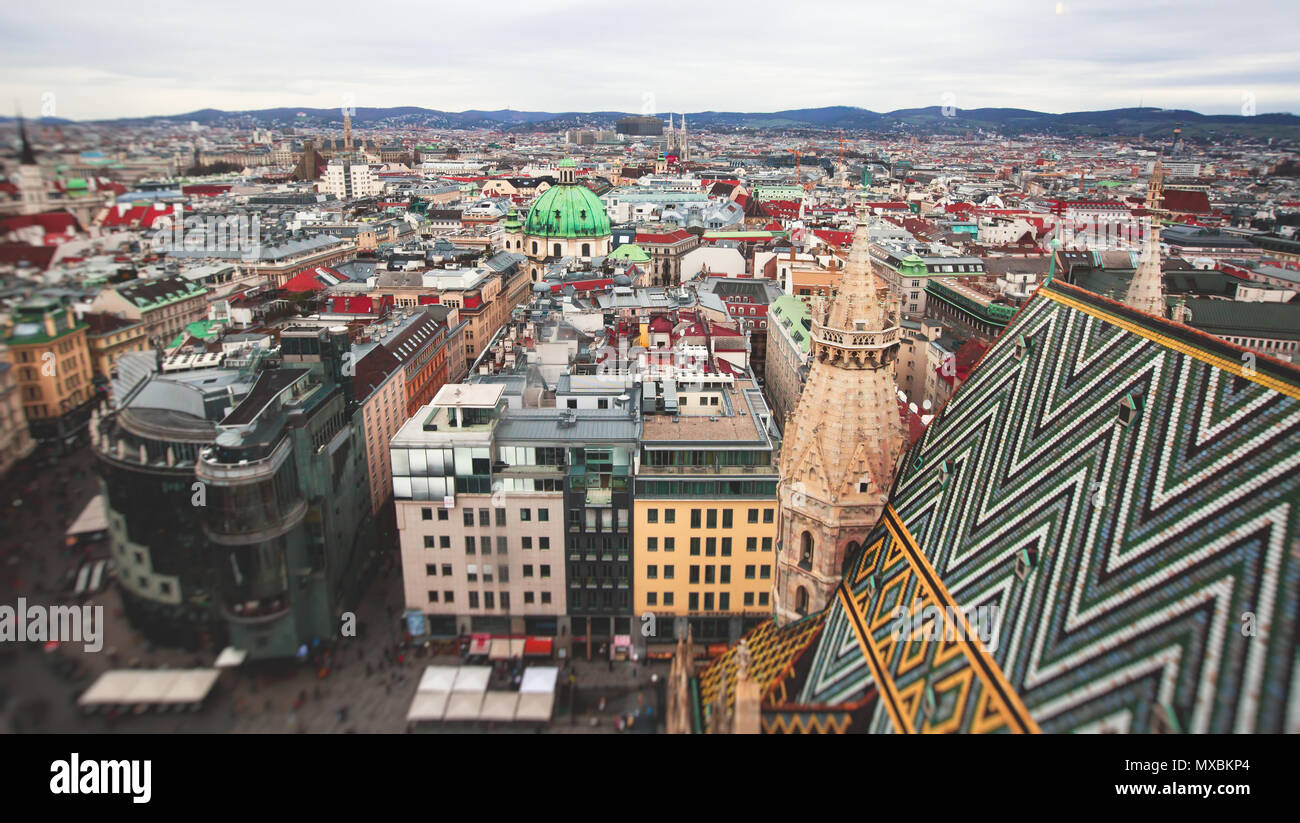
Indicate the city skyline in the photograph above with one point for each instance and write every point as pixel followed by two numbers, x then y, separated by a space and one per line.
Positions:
pixel 1019 55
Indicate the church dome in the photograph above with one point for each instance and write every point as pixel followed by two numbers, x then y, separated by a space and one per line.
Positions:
pixel 630 252
pixel 567 210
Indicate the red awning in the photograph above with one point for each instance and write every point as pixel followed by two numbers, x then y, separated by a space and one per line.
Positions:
pixel 538 647
pixel 480 643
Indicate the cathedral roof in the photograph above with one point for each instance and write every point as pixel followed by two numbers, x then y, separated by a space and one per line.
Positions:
pixel 772 651
pixel 1095 508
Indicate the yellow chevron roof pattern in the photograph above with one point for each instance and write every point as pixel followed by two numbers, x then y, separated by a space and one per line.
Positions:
pixel 772 649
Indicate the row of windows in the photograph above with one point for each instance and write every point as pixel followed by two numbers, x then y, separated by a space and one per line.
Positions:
pixel 490 599
pixel 502 573
pixel 603 599
pixel 485 516
pixel 710 517
pixel 706 488
pixel 693 600
pixel 723 573
pixel 711 545
pixel 484 543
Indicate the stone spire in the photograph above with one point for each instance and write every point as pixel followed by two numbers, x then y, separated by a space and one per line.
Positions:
pixel 1156 187
pixel 1146 292
pixel 844 441
pixel 677 717
pixel 26 156
pixel 747 714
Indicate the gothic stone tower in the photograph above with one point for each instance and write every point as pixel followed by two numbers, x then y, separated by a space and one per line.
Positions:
pixel 843 442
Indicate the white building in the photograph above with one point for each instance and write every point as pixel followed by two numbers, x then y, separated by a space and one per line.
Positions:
pixel 348 179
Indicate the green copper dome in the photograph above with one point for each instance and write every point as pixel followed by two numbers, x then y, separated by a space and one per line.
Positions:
pixel 630 252
pixel 567 211
pixel 512 223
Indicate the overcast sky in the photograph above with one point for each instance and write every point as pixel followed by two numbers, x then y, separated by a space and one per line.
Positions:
pixel 92 59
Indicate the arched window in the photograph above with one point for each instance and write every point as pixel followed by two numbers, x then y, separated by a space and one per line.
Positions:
pixel 806 551
pixel 586 250
pixel 558 253
pixel 850 552
pixel 534 247
pixel 801 601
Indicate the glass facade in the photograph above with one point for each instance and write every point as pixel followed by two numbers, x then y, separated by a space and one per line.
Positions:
pixel 432 474
pixel 255 579
pixel 246 508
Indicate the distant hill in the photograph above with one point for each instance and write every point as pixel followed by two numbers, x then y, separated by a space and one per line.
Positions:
pixel 1152 122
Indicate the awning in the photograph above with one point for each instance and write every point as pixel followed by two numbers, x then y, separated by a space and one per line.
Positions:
pixel 427 706
pixel 437 679
pixel 480 643
pixel 459 694
pixel 539 680
pixel 506 648
pixel 534 707
pixel 92 519
pixel 230 657
pixel 538 646
pixel 499 706
pixel 472 679
pixel 660 651
pixel 463 706
pixel 126 687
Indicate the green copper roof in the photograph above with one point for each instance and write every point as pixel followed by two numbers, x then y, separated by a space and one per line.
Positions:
pixel 512 220
pixel 567 211
pixel 795 317
pixel 568 163
pixel 630 252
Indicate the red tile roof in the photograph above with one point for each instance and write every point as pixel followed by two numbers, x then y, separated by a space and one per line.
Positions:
pixel 670 237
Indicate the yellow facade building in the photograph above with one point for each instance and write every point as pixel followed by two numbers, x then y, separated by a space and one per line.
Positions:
pixel 51 359
pixel 705 512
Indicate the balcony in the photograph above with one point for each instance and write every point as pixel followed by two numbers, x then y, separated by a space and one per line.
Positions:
pixel 210 470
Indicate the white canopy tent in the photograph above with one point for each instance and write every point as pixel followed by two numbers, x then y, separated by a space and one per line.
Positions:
pixel 135 687
pixel 460 694
pixel 92 519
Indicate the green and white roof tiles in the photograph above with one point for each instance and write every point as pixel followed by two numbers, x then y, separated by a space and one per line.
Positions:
pixel 1116 491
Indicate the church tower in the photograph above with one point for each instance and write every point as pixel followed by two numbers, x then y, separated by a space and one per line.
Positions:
pixel 843 442
pixel 1156 187
pixel 1146 291
pixel 29 180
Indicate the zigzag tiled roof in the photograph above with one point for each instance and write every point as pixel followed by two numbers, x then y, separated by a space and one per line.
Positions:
pixel 1122 495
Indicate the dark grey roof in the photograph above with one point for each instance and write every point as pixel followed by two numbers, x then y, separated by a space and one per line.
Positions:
pixel 591 425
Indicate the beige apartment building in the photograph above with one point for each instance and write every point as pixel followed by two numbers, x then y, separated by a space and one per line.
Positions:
pixel 478 559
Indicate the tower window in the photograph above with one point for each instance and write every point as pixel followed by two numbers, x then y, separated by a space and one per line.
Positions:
pixel 806 551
